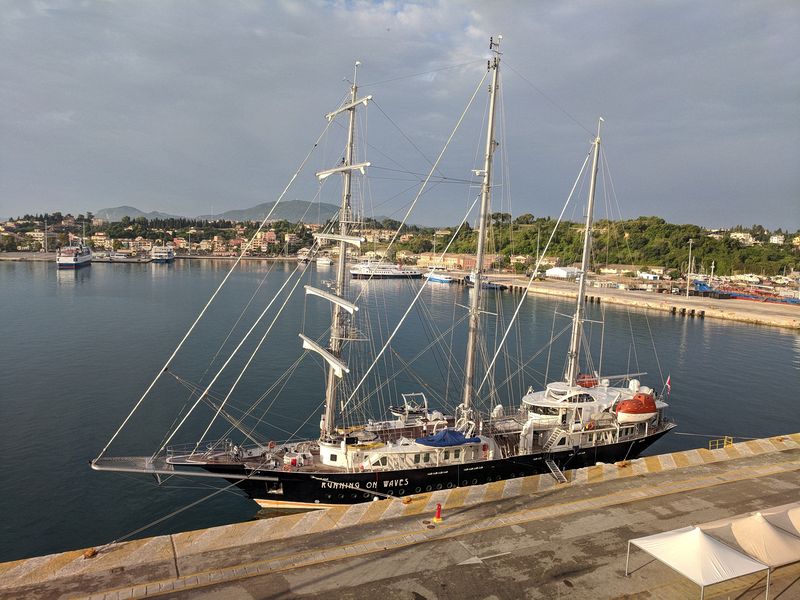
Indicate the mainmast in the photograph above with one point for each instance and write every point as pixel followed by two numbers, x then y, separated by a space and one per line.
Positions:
pixel 340 306
pixel 577 321
pixel 477 276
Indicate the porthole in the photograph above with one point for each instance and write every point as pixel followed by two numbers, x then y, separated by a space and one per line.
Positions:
pixel 438 486
pixel 417 490
pixel 402 492
pixel 428 488
pixel 449 485
pixel 474 482
pixel 366 495
pixel 391 492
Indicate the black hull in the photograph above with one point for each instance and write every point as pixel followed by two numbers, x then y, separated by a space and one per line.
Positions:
pixel 306 488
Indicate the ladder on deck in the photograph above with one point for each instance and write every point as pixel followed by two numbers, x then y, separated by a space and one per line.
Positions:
pixel 554 437
pixel 560 477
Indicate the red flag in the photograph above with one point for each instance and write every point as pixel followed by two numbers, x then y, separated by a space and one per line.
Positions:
pixel 669 387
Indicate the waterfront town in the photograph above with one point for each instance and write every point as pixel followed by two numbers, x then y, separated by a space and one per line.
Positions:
pixel 646 253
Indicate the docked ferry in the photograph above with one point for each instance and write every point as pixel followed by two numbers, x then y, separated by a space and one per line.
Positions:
pixel 74 256
pixel 162 254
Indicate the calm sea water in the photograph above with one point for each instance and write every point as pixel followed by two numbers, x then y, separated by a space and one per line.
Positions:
pixel 78 350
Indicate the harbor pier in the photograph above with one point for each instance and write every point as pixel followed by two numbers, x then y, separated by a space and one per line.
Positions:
pixel 526 537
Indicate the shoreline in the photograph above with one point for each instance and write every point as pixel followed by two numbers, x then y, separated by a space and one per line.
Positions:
pixel 768 314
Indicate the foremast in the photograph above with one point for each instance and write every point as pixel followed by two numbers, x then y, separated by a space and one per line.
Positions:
pixel 341 308
pixel 573 355
pixel 477 275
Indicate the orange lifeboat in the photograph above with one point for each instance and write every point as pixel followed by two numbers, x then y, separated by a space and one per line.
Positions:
pixel 586 381
pixel 638 409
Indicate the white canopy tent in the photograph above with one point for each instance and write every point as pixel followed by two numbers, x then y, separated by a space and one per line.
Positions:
pixel 787 517
pixel 697 556
pixel 758 538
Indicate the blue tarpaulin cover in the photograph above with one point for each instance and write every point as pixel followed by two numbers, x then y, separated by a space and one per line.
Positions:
pixel 447 437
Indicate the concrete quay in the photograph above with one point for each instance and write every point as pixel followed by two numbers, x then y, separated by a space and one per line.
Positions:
pixel 520 538
pixel 757 313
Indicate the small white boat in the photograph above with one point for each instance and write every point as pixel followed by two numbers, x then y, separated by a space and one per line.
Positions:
pixel 438 277
pixel 324 260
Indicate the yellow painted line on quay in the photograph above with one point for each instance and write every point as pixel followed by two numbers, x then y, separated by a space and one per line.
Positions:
pixel 378 544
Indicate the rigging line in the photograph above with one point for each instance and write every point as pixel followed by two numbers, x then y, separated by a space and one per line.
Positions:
pixel 547 346
pixel 222 345
pixel 413 302
pixel 209 400
pixel 633 341
pixel 410 362
pixel 464 64
pixel 259 344
pixel 421 191
pixel 655 352
pixel 535 270
pixel 230 358
pixel 408 139
pixel 422 287
pixel 444 178
pixel 550 346
pixel 434 394
pixel 549 99
pixel 285 378
pixel 244 250
pixel 180 510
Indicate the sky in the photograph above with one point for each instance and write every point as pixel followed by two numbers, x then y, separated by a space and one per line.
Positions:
pixel 200 107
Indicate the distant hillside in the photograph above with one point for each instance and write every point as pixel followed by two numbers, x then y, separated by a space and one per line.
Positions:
pixel 290 210
pixel 116 214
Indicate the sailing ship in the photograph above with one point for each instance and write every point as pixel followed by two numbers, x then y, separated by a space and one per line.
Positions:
pixel 580 420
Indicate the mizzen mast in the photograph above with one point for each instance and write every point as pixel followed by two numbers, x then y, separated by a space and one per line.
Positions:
pixel 340 308
pixel 577 320
pixel 477 276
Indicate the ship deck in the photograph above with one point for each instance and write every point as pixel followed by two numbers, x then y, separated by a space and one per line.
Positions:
pixel 527 537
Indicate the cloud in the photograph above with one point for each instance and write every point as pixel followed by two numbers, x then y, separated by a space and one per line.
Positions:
pixel 187 107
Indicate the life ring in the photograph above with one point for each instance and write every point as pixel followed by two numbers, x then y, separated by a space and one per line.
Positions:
pixel 271 444
pixel 590 425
